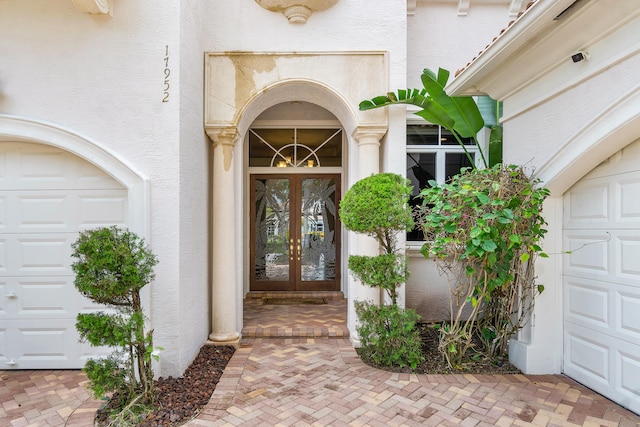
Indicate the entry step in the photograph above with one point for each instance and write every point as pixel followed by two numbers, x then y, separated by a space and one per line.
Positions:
pixel 287 294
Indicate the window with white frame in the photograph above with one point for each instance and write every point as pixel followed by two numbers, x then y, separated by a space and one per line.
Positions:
pixel 433 154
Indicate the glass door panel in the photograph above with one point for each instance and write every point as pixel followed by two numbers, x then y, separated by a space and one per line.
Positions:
pixel 318 229
pixel 271 229
pixel 295 232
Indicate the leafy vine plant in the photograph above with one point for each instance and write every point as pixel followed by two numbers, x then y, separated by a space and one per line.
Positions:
pixel 483 226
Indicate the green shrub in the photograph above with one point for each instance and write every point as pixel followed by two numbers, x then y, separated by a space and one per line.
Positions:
pixel 378 206
pixel 487 222
pixel 112 265
pixel 389 335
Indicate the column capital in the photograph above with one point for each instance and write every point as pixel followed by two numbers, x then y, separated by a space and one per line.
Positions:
pixel 369 134
pixel 223 136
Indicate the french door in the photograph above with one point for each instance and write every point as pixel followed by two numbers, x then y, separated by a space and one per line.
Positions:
pixel 295 232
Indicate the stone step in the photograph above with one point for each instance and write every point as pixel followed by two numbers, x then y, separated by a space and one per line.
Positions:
pixel 298 294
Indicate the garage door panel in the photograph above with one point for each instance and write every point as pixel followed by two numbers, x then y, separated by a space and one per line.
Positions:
pixel 628 313
pixel 52 211
pixel 87 352
pixel 42 212
pixel 34 166
pixel 3 256
pixel 5 298
pixel 32 344
pixel 602 279
pixel 586 357
pixel 589 253
pixel 628 251
pixel 587 302
pixel 587 204
pixel 627 200
pixel 4 346
pixel 46 197
pixel 609 255
pixel 105 208
pixel 604 203
pixel 3 212
pixel 630 376
pixel 44 254
pixel 46 298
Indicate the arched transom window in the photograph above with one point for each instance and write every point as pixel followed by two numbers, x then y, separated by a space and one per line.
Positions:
pixel 295 147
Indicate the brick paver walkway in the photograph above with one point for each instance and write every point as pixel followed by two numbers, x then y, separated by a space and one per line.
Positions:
pixel 318 380
pixel 322 382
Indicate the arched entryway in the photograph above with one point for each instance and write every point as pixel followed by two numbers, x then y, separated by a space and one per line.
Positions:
pixel 294 177
pixel 242 87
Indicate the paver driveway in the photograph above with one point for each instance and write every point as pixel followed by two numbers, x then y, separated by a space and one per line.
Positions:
pixel 317 379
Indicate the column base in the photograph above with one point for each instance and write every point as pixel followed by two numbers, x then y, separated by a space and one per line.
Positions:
pixel 232 339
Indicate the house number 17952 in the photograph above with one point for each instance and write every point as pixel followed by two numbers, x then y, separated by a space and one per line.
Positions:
pixel 167 73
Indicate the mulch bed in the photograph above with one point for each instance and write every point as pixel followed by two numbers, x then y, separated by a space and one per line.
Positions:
pixel 179 400
pixel 434 363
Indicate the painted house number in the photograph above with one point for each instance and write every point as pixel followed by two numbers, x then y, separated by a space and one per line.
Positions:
pixel 167 73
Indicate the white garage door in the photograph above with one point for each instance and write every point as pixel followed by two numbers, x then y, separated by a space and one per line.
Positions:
pixel 602 279
pixel 46 196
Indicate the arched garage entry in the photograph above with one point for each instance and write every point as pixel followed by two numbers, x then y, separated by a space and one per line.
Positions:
pixel 48 193
pixel 596 180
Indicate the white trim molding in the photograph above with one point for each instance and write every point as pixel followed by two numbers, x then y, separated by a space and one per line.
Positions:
pixel 14 128
pixel 515 6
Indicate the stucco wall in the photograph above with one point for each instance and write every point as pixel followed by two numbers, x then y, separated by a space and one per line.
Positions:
pixel 535 135
pixel 106 77
pixel 561 125
pixel 194 315
pixel 438 37
pixel 428 289
pixel 103 77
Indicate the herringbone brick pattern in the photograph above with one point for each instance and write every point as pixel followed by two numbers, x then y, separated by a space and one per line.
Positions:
pixel 319 380
pixel 322 382
pixel 325 320
pixel 44 398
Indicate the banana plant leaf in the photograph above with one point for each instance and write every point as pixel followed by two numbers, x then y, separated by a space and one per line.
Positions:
pixel 462 109
pixel 431 111
pixel 458 114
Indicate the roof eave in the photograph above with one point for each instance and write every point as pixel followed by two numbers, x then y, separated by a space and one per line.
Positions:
pixel 529 25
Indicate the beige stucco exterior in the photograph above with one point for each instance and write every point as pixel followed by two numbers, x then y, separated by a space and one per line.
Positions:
pixel 160 96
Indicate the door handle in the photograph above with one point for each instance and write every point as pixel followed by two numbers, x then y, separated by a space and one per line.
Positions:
pixel 291 250
pixel 11 295
pixel 299 250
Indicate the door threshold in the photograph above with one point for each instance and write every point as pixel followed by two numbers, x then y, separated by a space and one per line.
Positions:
pixel 294 294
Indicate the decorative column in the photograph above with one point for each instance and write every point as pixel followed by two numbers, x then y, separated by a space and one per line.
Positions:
pixel 368 139
pixel 223 286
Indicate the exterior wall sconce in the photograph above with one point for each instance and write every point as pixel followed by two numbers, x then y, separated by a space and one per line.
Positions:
pixel 296 11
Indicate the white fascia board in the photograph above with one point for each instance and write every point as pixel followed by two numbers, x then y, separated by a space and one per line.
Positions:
pixel 530 25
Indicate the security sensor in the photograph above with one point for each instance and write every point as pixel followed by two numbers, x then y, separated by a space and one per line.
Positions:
pixel 580 56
